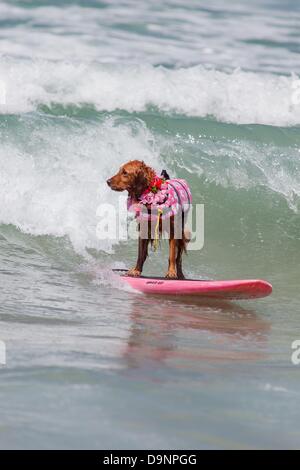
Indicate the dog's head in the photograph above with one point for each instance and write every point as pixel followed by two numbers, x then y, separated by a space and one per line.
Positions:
pixel 134 177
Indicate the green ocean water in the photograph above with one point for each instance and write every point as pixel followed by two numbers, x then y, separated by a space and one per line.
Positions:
pixel 210 94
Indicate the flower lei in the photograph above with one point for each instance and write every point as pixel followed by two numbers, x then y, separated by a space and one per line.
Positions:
pixel 155 184
pixel 156 193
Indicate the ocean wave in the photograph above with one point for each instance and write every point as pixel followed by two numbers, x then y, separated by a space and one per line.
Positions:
pixel 237 163
pixel 53 177
pixel 238 97
pixel 257 36
pixel 53 173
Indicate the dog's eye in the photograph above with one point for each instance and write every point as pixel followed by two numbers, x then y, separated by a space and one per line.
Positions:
pixel 124 172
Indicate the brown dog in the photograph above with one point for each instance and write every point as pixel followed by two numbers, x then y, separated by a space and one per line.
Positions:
pixel 135 177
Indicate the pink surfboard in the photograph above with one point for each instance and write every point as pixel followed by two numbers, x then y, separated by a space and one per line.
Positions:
pixel 231 290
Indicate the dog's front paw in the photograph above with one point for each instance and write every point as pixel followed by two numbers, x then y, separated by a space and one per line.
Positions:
pixel 171 275
pixel 133 272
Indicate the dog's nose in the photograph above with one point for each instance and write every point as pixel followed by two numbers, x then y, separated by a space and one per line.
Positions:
pixel 109 182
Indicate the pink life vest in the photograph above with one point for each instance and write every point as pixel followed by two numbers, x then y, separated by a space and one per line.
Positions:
pixel 174 196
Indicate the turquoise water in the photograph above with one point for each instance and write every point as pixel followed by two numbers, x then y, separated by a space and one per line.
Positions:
pixel 209 93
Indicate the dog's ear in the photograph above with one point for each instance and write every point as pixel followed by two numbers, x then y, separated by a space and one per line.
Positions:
pixel 140 183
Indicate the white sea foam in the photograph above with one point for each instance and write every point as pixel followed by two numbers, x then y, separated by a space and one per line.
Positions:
pixel 222 34
pixel 53 171
pixel 53 183
pixel 237 163
pixel 239 97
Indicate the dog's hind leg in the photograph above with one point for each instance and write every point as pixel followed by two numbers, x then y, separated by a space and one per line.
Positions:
pixel 180 249
pixel 181 243
pixel 171 274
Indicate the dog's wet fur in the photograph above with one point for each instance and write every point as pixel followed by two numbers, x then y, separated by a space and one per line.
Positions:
pixel 135 177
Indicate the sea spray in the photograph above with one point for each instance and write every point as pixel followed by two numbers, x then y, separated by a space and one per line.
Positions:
pixel 238 97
